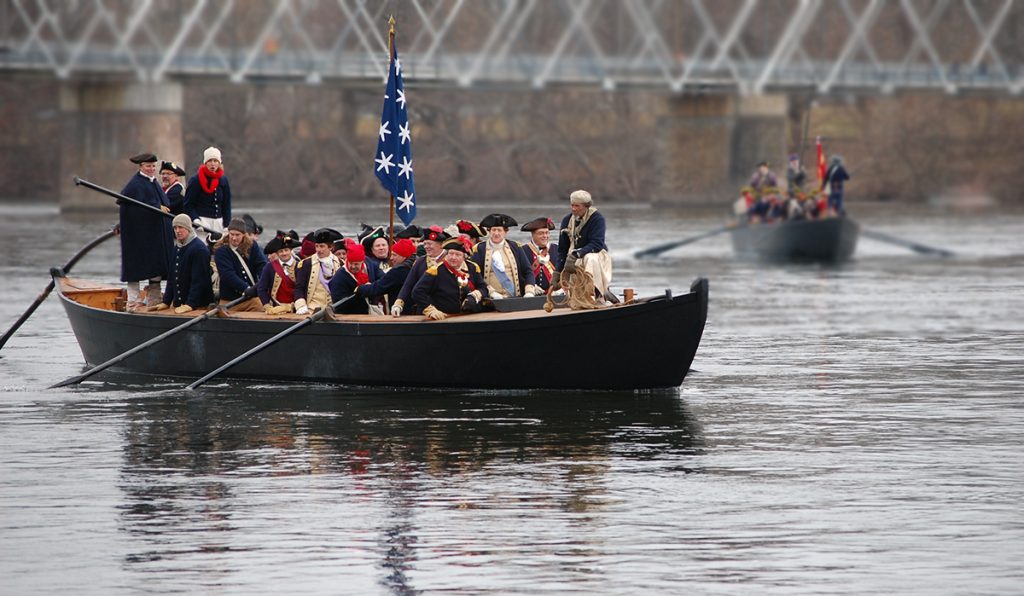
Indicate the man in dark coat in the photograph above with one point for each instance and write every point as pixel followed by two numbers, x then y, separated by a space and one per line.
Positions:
pixel 171 181
pixel 433 237
pixel 834 179
pixel 208 194
pixel 145 236
pixel 581 243
pixel 452 286
pixel 344 284
pixel 188 286
pixel 505 268
pixel 385 290
pixel 239 263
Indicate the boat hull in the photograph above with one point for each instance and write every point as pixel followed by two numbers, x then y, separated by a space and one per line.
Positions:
pixel 831 240
pixel 638 346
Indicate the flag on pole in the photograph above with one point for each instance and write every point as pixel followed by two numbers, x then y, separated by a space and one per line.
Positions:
pixel 393 160
pixel 822 169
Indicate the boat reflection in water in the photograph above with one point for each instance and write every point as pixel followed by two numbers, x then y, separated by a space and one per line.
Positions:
pixel 355 473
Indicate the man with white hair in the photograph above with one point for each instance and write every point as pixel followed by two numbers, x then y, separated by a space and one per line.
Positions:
pixel 208 194
pixel 581 244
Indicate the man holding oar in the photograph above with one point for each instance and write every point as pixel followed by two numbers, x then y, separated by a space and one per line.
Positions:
pixel 189 286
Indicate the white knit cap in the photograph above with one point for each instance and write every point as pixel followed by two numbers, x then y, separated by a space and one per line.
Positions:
pixel 211 153
pixel 581 197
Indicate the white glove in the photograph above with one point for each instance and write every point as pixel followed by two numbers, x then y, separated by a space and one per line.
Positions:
pixel 432 313
pixel 184 308
pixel 495 296
pixel 530 291
pixel 396 309
pixel 302 311
pixel 197 222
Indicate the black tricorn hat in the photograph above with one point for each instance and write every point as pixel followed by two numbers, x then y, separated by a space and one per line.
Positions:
pixel 289 239
pixel 498 219
pixel 143 158
pixel 369 236
pixel 251 226
pixel 173 167
pixel 326 236
pixel 435 233
pixel 538 224
pixel 413 231
pixel 469 228
pixel 455 244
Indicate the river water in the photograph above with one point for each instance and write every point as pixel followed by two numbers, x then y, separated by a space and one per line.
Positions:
pixel 844 430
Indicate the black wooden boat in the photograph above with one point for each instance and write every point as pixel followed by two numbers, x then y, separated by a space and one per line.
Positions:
pixel 829 240
pixel 647 344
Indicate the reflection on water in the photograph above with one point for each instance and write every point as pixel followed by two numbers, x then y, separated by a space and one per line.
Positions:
pixel 187 461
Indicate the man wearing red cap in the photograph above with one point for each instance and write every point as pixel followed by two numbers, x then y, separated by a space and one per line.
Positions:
pixel 352 275
pixel 385 290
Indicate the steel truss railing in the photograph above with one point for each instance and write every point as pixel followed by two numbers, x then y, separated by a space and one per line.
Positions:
pixel 743 46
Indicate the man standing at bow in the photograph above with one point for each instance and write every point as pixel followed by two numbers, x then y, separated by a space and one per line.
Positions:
pixel 581 244
pixel 145 236
pixel 505 268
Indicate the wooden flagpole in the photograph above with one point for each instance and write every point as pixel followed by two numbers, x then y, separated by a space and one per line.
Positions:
pixel 391 59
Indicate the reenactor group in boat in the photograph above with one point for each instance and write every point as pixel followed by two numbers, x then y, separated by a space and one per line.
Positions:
pixel 763 201
pixel 204 252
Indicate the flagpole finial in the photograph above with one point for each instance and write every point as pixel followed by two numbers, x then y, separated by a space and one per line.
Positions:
pixel 391 24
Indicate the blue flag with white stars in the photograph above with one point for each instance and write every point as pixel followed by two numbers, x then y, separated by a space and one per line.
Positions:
pixel 393 161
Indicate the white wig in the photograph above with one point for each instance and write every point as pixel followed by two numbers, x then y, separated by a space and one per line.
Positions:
pixel 581 197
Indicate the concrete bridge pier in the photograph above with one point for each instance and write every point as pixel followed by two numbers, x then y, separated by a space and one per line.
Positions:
pixel 105 123
pixel 713 142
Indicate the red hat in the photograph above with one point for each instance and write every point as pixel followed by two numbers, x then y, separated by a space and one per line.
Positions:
pixel 404 248
pixel 355 253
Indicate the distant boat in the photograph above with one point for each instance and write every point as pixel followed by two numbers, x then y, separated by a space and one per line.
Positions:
pixel 828 240
pixel 647 344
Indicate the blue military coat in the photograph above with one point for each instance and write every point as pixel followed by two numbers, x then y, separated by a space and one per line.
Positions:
pixel 233 278
pixel 176 198
pixel 146 237
pixel 591 237
pixel 190 279
pixel 523 266
pixel 390 284
pixel 439 287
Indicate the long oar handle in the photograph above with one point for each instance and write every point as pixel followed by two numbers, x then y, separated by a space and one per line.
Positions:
pixel 49 287
pixel 657 250
pixel 80 182
pixel 915 246
pixel 121 357
pixel 307 321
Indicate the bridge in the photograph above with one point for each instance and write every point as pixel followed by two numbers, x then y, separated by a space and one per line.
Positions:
pixel 120 57
pixel 739 46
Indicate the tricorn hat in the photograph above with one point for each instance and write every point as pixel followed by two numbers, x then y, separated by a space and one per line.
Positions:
pixel 369 235
pixel 435 233
pixel 412 231
pixel 469 228
pixel 326 236
pixel 289 239
pixel 173 167
pixel 143 158
pixel 455 244
pixel 498 219
pixel 538 224
pixel 251 226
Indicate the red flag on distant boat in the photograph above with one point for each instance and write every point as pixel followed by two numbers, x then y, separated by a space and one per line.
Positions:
pixel 822 169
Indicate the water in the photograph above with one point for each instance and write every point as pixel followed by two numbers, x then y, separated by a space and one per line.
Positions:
pixel 844 430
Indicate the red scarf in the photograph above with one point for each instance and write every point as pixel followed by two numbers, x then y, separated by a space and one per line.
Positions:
pixel 362 276
pixel 208 180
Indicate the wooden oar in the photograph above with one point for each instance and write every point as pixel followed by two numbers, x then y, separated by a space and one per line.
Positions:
pixel 116 359
pixel 917 247
pixel 657 250
pixel 303 323
pixel 79 182
pixel 49 288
